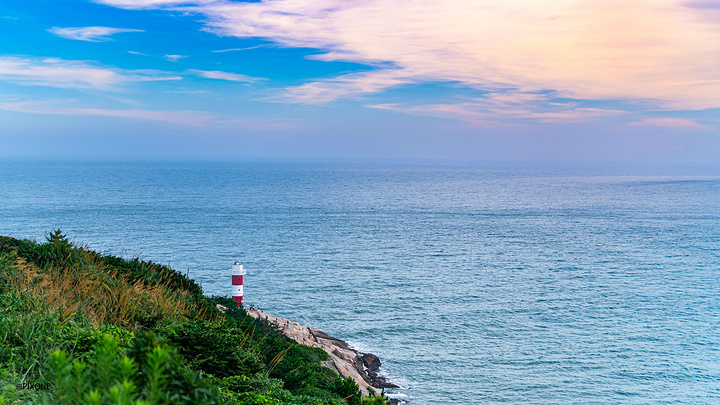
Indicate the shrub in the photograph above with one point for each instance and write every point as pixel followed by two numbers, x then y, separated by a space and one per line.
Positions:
pixel 215 349
pixel 375 401
pixel 258 383
pixel 150 372
pixel 348 389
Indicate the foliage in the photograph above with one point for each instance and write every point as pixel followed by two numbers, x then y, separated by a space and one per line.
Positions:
pixel 375 401
pixel 297 365
pixel 347 388
pixel 260 389
pixel 150 373
pixel 215 348
pixel 27 335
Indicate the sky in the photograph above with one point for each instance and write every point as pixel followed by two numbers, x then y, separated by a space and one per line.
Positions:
pixel 520 80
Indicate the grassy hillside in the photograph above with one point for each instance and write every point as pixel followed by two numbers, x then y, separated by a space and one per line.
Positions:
pixel 80 327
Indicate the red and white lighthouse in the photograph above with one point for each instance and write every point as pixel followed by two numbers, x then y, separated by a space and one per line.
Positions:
pixel 237 273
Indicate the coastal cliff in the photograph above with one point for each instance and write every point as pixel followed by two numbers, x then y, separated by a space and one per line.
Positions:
pixel 362 367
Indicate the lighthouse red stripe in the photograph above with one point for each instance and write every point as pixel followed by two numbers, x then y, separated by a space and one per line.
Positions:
pixel 237 280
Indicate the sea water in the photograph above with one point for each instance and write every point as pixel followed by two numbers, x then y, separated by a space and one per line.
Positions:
pixel 477 284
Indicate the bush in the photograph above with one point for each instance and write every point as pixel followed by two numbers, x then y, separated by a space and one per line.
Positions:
pixel 375 401
pixel 348 389
pixel 257 383
pixel 215 349
pixel 151 372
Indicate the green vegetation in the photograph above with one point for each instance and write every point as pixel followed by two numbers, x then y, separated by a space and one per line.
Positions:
pixel 95 329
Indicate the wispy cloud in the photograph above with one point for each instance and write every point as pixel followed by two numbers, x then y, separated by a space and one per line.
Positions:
pixel 661 53
pixel 175 58
pixel 496 109
pixel 326 90
pixel 149 4
pixel 239 49
pixel 194 92
pixel 181 118
pixel 61 73
pixel 218 75
pixel 90 34
pixel 669 122
pixel 150 75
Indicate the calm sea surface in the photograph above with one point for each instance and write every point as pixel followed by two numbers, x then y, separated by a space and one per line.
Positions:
pixel 474 284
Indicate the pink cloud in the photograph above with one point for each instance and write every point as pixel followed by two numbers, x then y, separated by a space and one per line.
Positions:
pixel 492 109
pixel 180 118
pixel 669 122
pixel 638 51
pixel 656 54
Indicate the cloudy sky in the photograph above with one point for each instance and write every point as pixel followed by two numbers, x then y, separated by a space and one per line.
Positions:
pixel 558 80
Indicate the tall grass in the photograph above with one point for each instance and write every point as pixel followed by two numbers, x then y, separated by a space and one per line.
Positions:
pixel 67 280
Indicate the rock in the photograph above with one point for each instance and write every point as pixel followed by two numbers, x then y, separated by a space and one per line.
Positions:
pixel 342 358
pixel 372 366
pixel 324 338
pixel 382 382
pixel 371 361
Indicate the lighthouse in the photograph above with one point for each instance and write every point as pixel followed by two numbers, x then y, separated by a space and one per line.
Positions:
pixel 237 273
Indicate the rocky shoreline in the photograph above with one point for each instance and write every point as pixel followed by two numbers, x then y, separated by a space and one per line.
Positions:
pixel 364 368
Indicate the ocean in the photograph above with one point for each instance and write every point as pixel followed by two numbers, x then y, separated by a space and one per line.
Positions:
pixel 475 284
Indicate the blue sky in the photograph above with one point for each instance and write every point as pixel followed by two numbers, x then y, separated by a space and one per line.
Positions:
pixel 556 80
